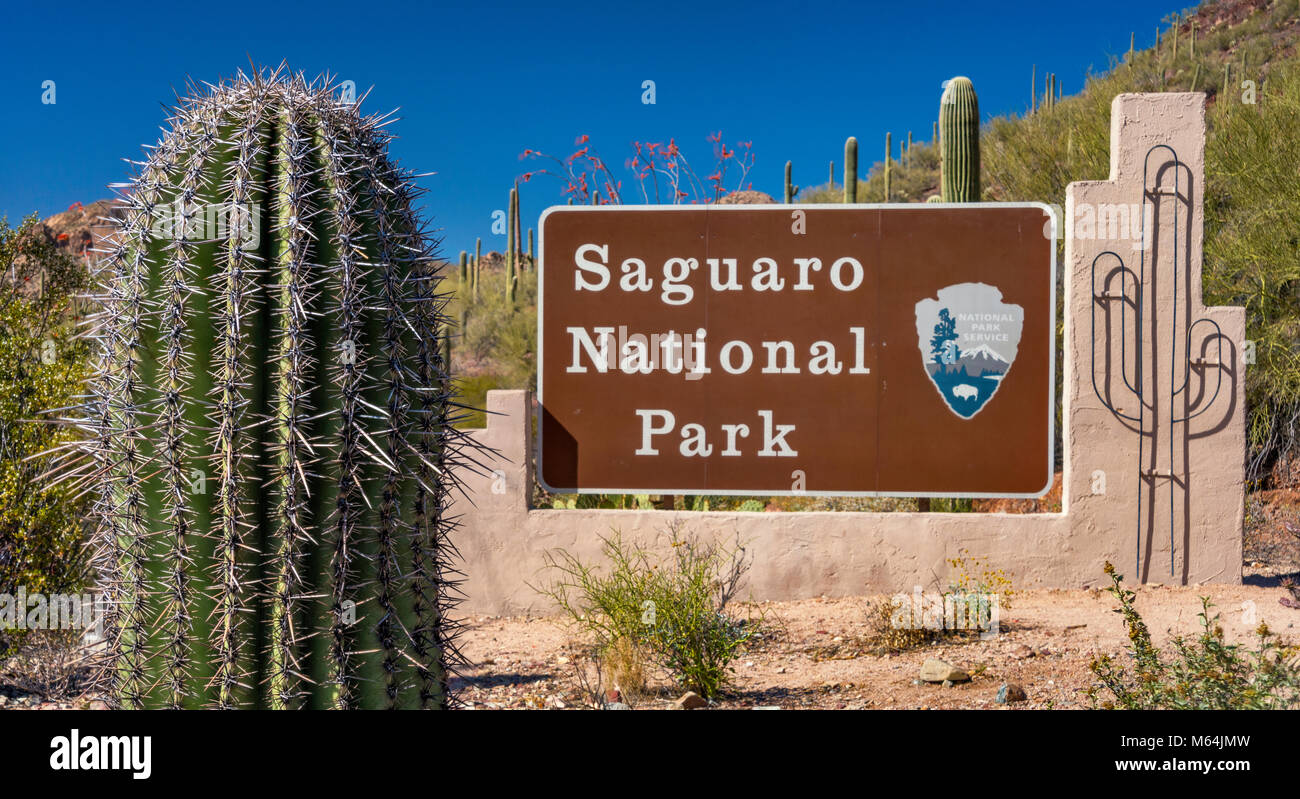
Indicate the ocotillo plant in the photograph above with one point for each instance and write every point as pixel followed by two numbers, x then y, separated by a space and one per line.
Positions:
pixel 851 170
pixel 271 428
pixel 959 142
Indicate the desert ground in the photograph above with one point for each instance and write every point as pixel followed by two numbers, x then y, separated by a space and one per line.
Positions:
pixel 813 653
pixel 817 653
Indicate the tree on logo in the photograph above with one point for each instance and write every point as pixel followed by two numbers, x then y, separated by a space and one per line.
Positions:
pixel 943 344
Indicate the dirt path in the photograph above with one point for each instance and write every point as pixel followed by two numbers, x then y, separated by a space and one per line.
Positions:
pixel 812 656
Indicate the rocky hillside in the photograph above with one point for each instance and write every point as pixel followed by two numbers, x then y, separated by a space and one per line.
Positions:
pixel 78 228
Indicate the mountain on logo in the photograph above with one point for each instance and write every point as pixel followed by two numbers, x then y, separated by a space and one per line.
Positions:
pixel 953 331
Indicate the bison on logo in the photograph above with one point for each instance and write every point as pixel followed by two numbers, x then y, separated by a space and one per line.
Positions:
pixel 968 340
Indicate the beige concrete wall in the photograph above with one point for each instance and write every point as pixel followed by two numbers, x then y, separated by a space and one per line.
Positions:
pixel 800 555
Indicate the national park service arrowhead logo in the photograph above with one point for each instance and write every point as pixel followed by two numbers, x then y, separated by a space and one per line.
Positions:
pixel 968 339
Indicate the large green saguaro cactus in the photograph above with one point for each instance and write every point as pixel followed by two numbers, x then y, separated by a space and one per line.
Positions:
pixel 959 142
pixel 272 425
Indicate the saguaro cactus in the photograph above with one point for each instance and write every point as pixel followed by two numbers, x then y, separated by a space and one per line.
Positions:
pixel 790 189
pixel 959 142
pixel 478 264
pixel 889 137
pixel 851 170
pixel 271 424
pixel 511 244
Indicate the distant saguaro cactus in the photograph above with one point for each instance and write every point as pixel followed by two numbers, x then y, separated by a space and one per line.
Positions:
pixel 959 142
pixel 790 189
pixel 511 244
pixel 889 145
pixel 851 170
pixel 271 423
pixel 478 264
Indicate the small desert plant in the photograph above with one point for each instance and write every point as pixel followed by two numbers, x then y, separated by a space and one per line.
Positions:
pixel 669 611
pixel 53 664
pixel 1206 673
pixel 885 634
pixel 973 579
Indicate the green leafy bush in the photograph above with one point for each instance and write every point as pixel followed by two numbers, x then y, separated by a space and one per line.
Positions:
pixel 44 368
pixel 670 610
pixel 1205 673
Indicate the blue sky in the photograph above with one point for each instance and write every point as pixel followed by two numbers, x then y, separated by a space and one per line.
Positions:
pixel 479 83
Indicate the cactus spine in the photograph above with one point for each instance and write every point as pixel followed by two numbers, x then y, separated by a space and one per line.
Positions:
pixel 293 358
pixel 851 170
pixel 959 137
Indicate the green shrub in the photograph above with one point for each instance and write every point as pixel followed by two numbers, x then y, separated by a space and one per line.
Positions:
pixel 1206 673
pixel 500 336
pixel 471 392
pixel 670 609
pixel 45 368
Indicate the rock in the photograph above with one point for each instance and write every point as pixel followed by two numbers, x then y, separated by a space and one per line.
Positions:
pixel 746 197
pixel 1021 652
pixel 616 706
pixel 1011 692
pixel 613 695
pixel 691 700
pixel 935 670
pixel 765 707
pixel 948 683
pixel 98 704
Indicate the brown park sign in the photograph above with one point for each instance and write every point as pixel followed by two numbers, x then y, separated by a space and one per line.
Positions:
pixel 821 349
